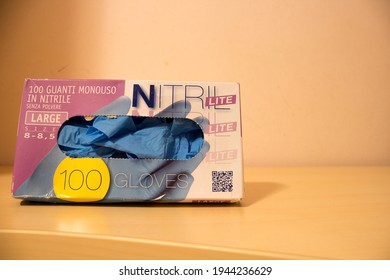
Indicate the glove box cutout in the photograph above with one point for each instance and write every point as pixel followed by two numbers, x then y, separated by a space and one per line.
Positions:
pixel 132 137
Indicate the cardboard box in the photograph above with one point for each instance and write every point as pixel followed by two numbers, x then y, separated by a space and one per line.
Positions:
pixel 44 172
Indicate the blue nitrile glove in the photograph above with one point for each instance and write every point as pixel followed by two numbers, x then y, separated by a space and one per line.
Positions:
pixel 39 186
pixel 130 137
pixel 140 180
pixel 177 174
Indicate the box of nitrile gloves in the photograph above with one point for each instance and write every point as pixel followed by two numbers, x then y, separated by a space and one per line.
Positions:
pixel 128 141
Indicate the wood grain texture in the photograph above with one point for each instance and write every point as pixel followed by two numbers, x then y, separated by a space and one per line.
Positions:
pixel 287 213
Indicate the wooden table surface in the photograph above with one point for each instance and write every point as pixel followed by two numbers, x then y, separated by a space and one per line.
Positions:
pixel 287 213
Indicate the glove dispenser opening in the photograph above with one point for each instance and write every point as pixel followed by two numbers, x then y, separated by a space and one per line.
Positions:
pixel 131 137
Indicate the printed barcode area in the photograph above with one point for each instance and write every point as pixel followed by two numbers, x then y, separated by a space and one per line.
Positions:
pixel 222 181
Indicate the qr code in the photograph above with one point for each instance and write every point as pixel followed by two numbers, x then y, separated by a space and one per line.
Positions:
pixel 222 181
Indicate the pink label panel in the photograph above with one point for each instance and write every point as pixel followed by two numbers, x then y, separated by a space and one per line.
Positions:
pixel 221 100
pixel 45 118
pixel 46 104
pixel 221 156
pixel 221 127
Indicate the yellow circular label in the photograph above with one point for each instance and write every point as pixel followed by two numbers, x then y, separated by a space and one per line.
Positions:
pixel 81 179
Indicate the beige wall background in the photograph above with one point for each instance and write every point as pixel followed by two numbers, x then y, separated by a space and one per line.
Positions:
pixel 314 75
